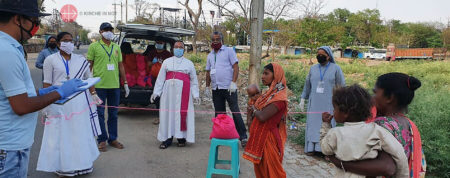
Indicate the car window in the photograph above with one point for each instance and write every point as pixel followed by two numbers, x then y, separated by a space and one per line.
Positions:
pixel 140 45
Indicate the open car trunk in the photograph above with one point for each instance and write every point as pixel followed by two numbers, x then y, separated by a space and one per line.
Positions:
pixel 139 94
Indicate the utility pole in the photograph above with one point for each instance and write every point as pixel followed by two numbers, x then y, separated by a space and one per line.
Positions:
pixel 121 12
pixel 126 11
pixel 115 14
pixel 256 18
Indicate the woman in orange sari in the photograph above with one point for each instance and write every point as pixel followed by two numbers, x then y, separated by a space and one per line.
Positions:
pixel 265 148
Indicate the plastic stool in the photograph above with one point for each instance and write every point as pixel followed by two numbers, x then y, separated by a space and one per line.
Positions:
pixel 213 158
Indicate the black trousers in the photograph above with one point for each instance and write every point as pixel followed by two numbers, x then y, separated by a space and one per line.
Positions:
pixel 220 97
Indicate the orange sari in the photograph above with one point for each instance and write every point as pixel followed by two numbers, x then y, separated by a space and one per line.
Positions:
pixel 265 147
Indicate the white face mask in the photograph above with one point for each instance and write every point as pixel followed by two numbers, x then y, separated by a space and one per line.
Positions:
pixel 108 35
pixel 67 47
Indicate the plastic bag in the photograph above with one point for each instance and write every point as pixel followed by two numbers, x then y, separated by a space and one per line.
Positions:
pixel 223 128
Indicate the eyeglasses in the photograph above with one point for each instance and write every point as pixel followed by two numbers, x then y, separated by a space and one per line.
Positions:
pixel 34 20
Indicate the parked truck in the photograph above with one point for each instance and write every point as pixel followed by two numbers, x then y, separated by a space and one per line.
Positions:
pixel 394 53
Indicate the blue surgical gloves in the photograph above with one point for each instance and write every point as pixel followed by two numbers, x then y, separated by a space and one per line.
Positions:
pixel 44 91
pixel 70 87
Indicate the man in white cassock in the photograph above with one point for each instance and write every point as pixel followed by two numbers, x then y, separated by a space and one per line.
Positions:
pixel 177 87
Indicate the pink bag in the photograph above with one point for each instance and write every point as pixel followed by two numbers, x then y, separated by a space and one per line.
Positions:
pixel 223 128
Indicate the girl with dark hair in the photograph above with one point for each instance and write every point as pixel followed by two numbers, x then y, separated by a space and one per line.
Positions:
pixel 357 140
pixel 393 93
pixel 265 147
pixel 68 144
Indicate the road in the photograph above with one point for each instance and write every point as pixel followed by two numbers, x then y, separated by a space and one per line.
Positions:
pixel 141 156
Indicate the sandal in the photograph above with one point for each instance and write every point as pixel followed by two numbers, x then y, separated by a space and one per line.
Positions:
pixel 116 144
pixel 164 145
pixel 102 147
pixel 243 143
pixel 156 122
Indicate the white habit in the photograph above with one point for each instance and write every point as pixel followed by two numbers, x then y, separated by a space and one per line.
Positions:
pixel 170 102
pixel 68 142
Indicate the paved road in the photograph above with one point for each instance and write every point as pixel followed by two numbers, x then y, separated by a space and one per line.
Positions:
pixel 141 156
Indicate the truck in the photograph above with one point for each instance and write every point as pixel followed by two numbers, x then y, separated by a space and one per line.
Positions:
pixel 139 35
pixel 374 53
pixel 394 53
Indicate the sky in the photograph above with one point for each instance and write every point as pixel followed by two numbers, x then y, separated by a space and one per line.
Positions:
pixel 404 10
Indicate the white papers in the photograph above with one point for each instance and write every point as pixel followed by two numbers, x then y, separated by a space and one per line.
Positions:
pixel 90 82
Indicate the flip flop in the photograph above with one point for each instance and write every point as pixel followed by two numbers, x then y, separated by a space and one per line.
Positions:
pixel 102 147
pixel 116 144
pixel 156 122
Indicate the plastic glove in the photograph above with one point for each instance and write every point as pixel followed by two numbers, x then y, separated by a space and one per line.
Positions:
pixel 153 98
pixel 127 90
pixel 44 91
pixel 233 87
pixel 197 101
pixel 302 105
pixel 96 99
pixel 208 92
pixel 70 87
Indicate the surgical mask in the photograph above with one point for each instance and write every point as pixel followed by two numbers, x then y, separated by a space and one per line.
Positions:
pixel 67 47
pixel 159 46
pixel 178 52
pixel 216 46
pixel 321 58
pixel 108 35
pixel 52 45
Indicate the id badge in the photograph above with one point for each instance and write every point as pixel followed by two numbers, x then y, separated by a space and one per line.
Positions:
pixel 320 88
pixel 213 71
pixel 110 67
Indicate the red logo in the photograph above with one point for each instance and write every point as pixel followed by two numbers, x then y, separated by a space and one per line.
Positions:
pixel 69 13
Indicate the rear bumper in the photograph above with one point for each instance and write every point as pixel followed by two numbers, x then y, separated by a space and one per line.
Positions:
pixel 138 95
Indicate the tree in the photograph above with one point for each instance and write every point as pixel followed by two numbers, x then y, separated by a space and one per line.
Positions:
pixel 194 18
pixel 239 10
pixel 311 8
pixel 446 38
pixel 288 31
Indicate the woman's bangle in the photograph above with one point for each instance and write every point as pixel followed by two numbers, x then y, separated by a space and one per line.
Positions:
pixel 342 166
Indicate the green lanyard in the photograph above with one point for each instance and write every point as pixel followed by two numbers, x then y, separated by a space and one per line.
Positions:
pixel 215 60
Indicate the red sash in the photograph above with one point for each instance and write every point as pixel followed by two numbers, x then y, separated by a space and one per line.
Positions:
pixel 184 94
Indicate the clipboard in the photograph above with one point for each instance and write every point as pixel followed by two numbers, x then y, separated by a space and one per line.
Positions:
pixel 90 82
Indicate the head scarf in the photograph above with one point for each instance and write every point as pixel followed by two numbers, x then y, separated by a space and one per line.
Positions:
pixel 259 130
pixel 328 50
pixel 48 40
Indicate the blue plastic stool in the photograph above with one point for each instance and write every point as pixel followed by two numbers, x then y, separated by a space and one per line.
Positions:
pixel 213 158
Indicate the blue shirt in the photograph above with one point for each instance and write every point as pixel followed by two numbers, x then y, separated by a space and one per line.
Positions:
pixel 16 132
pixel 43 55
pixel 222 62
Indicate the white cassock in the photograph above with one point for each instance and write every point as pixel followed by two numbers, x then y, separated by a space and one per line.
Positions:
pixel 170 91
pixel 68 142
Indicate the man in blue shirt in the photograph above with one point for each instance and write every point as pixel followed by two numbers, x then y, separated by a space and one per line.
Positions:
pixel 222 71
pixel 19 101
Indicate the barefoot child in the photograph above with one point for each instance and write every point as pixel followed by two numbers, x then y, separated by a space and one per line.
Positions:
pixel 357 140
pixel 253 94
